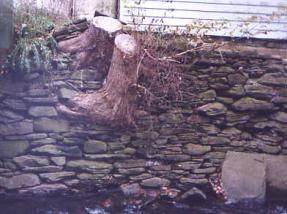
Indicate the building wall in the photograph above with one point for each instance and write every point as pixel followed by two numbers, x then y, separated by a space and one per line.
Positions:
pixel 231 18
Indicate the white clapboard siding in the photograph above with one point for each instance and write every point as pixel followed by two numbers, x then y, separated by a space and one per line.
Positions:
pixel 236 18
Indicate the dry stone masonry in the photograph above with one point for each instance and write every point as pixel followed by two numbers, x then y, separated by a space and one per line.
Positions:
pixel 235 103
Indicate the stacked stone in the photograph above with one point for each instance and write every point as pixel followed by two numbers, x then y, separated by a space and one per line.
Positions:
pixel 71 30
pixel 234 103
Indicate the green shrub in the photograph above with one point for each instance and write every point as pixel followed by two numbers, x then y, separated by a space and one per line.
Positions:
pixel 35 46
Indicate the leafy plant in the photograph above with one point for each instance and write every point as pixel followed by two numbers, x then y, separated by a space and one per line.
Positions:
pixel 32 54
pixel 35 45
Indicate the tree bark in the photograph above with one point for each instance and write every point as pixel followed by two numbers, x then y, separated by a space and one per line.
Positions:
pixel 114 104
pixel 93 44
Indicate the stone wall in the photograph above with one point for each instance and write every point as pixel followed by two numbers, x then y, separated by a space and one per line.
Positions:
pixel 230 102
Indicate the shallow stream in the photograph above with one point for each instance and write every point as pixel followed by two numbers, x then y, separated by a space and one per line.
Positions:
pixel 104 203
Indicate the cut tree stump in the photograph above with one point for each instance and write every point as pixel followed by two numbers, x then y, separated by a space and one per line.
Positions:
pixel 95 45
pixel 114 104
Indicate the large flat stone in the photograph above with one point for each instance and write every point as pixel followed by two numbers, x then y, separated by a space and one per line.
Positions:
pixel 95 146
pixel 131 164
pixel 196 149
pixel 38 92
pixel 31 161
pixel 213 109
pixel 244 177
pixel 57 176
pixel 41 100
pixel 11 149
pixel 18 128
pixel 51 125
pixel 260 91
pixel 38 169
pixel 280 117
pixel 274 79
pixel 155 182
pixel 65 93
pixel 69 151
pixel 91 166
pixel 19 181
pixel 276 172
pixel 237 78
pixel 7 116
pixel 250 104
pixel 42 111
pixel 45 189
pixel 15 104
pixel 36 136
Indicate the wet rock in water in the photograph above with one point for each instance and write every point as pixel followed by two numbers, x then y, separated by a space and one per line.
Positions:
pixel 19 181
pixel 155 182
pixel 45 189
pixel 169 193
pixel 194 181
pixel 193 194
pixel 244 177
pixel 97 210
pixel 131 189
pixel 213 109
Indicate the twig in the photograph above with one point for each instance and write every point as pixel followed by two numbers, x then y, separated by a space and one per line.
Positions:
pixel 170 58
pixel 146 91
pixel 139 64
pixel 160 59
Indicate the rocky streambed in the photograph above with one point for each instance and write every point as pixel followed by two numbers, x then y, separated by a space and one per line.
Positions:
pixel 116 203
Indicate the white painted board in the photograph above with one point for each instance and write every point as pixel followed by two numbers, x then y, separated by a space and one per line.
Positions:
pixel 235 18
